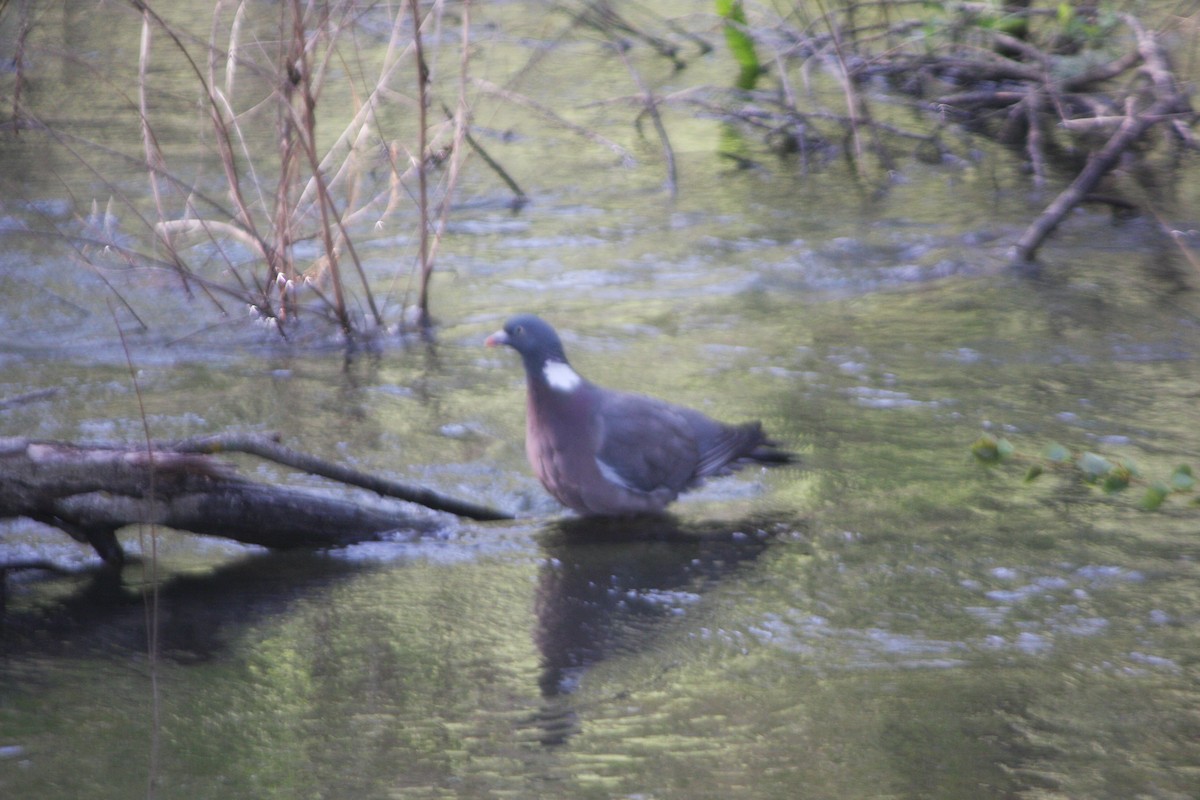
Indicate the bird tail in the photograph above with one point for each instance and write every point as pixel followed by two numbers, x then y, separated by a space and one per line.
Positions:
pixel 770 454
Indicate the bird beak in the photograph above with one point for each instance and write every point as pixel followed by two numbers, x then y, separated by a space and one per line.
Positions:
pixel 497 338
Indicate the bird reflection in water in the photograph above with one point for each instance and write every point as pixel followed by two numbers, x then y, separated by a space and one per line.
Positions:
pixel 608 586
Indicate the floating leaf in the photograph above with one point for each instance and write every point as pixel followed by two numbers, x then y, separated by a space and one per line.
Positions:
pixel 985 450
pixel 1005 448
pixel 1034 473
pixel 991 450
pixel 1182 479
pixel 1117 479
pixel 1154 497
pixel 1094 466
pixel 1057 453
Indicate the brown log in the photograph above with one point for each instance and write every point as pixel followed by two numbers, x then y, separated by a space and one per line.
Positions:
pixel 91 491
pixel 268 447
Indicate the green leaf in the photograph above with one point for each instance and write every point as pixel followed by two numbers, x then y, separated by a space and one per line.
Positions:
pixel 1013 25
pixel 741 46
pixel 1182 479
pixel 991 450
pixel 1034 473
pixel 1117 479
pixel 1057 453
pixel 985 450
pixel 1094 466
pixel 1066 14
pixel 1154 497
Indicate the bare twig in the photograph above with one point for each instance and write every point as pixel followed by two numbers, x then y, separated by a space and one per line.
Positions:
pixel 462 133
pixel 149 571
pixel 550 114
pixel 844 79
pixel 269 448
pixel 1167 101
pixel 28 397
pixel 1033 136
pixel 422 71
pixel 1132 129
pixel 650 107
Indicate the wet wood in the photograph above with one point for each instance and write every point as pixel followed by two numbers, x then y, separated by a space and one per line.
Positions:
pixel 1166 105
pixel 90 491
pixel 1023 80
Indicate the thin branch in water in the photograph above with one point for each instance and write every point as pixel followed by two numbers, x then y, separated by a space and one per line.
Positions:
pixel 650 107
pixel 149 576
pixel 627 159
pixel 422 70
pixel 520 198
pixel 18 64
pixel 1033 136
pixel 270 449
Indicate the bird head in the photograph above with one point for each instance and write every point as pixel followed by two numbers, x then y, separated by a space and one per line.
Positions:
pixel 541 351
pixel 532 337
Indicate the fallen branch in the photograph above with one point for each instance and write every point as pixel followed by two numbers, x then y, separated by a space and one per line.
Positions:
pixel 650 108
pixel 268 447
pixel 1132 129
pixel 1072 76
pixel 91 491
pixel 1168 104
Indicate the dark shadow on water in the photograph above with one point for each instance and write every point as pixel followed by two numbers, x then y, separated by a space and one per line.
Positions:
pixel 609 587
pixel 105 610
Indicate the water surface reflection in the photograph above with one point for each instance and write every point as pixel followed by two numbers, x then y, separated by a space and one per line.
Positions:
pixel 196 616
pixel 606 587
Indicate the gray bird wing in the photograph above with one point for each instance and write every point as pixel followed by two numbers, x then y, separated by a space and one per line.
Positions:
pixel 645 444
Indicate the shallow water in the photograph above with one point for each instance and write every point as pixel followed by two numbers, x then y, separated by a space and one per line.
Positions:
pixel 886 619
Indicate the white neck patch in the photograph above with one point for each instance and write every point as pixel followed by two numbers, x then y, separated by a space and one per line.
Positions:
pixel 561 377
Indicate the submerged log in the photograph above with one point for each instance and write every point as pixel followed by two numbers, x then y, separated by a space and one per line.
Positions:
pixel 91 491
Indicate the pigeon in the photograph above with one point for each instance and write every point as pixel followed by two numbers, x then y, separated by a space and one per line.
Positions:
pixel 603 452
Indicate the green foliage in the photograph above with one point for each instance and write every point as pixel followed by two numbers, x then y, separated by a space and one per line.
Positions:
pixel 1111 476
pixel 1066 27
pixel 741 45
pixel 1094 467
pixel 1182 479
pixel 1057 453
pixel 1155 494
pixel 990 450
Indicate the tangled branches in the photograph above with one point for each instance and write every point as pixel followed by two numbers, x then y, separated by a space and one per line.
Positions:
pixel 1070 92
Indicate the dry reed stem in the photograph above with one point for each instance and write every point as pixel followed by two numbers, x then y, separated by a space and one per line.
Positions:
pixel 149 588
pixel 422 70
pixel 458 154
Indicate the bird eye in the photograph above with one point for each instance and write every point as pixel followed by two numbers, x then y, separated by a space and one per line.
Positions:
pixel 519 330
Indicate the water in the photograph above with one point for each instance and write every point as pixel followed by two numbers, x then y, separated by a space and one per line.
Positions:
pixel 886 619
